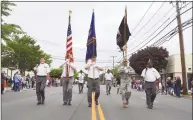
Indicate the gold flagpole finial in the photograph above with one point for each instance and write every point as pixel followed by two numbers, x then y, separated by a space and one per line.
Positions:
pixel 70 11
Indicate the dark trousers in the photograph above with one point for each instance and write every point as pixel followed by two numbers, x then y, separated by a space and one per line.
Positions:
pixel 2 88
pixel 33 82
pixel 40 88
pixel 17 87
pixel 93 86
pixel 81 86
pixel 175 89
pixel 178 91
pixel 150 90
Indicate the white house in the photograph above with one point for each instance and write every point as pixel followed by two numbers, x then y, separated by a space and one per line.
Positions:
pixel 12 72
pixel 173 68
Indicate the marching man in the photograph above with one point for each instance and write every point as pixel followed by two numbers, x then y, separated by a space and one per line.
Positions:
pixel 93 80
pixel 108 81
pixel 150 76
pixel 42 73
pixel 81 81
pixel 67 78
pixel 125 83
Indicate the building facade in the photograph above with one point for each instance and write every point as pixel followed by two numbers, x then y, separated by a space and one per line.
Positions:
pixel 10 73
pixel 173 68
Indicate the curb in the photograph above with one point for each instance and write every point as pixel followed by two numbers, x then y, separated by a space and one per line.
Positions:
pixel 9 89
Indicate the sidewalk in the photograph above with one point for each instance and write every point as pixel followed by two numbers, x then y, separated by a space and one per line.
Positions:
pixel 9 89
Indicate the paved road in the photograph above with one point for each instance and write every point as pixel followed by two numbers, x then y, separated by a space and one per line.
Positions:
pixel 22 106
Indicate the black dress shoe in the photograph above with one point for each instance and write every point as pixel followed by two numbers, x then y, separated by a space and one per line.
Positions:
pixel 89 105
pixel 150 107
pixel 96 102
pixel 69 103
pixel 65 103
pixel 38 103
pixel 42 102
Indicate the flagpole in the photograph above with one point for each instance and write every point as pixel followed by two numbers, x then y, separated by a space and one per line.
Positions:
pixel 67 66
pixel 125 24
pixel 70 12
pixel 93 93
pixel 93 54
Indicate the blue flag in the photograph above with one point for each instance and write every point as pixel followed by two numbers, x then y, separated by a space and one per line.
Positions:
pixel 91 42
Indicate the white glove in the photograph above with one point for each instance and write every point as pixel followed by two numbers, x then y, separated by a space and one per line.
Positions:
pixel 92 64
pixel 89 62
pixel 126 70
pixel 35 68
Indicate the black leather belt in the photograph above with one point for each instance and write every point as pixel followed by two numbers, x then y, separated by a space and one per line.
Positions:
pixel 68 77
pixel 94 78
pixel 149 82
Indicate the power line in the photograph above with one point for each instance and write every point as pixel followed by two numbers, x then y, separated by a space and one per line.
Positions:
pixel 160 20
pixel 143 16
pixel 188 22
pixel 170 35
pixel 80 49
pixel 157 22
pixel 81 60
pixel 162 30
pixel 154 33
pixel 153 25
pixel 150 19
pixel 78 59
pixel 173 35
pixel 113 60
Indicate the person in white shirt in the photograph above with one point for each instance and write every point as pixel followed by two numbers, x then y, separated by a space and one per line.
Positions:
pixel 93 80
pixel 108 81
pixel 150 75
pixel 42 74
pixel 67 78
pixel 81 81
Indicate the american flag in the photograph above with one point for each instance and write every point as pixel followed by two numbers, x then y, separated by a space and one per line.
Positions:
pixel 69 42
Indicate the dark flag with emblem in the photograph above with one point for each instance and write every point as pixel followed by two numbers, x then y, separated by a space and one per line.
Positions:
pixel 121 41
pixel 91 42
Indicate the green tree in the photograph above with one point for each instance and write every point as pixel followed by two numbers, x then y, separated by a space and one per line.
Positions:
pixel 115 72
pixel 6 56
pixel 56 73
pixel 76 75
pixel 158 55
pixel 24 53
pixel 8 30
pixel 5 7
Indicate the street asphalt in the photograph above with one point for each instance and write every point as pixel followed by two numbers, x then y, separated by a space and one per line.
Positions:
pixel 22 106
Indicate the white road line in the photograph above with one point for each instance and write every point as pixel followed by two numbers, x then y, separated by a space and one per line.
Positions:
pixel 145 99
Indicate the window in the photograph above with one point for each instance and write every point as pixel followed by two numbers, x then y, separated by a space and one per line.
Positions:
pixel 189 69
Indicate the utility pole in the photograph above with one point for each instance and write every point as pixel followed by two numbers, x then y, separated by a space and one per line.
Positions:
pixel 113 63
pixel 181 42
pixel 113 60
